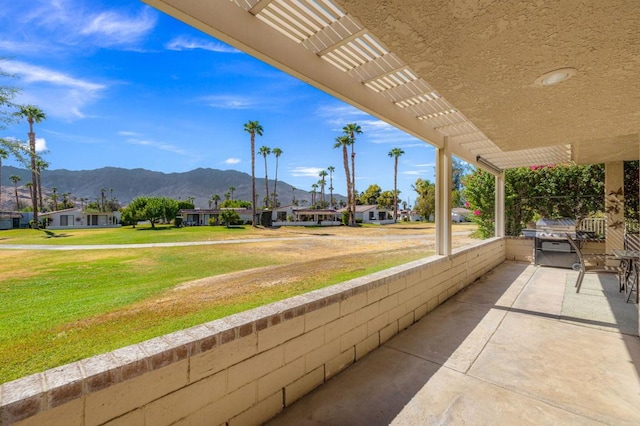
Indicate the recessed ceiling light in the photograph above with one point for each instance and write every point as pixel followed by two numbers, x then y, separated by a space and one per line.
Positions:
pixel 554 77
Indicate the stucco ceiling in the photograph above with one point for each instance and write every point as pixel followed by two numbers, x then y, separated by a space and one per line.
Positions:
pixel 459 74
pixel 484 58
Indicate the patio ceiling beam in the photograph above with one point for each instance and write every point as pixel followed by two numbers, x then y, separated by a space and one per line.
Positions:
pixel 231 24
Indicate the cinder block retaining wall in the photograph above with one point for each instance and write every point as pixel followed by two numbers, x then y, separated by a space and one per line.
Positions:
pixel 244 368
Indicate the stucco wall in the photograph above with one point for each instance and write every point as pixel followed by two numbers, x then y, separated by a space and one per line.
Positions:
pixel 246 367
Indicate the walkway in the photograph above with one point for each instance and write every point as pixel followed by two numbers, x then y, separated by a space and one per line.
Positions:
pixel 217 242
pixel 519 347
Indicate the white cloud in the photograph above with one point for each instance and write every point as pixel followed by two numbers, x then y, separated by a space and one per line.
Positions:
pixel 229 101
pixel 232 161
pixel 32 73
pixel 41 145
pixel 157 145
pixel 188 43
pixel 128 133
pixel 56 93
pixel 113 28
pixel 306 171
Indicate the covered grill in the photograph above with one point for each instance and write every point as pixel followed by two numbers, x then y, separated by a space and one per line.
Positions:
pixel 551 245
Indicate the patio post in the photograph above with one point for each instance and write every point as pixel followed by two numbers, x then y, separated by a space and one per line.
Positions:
pixel 614 205
pixel 499 206
pixel 443 199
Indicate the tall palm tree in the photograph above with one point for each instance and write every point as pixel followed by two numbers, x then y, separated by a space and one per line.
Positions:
pixel 314 188
pixel 103 198
pixel 54 198
pixel 15 179
pixel 331 169
pixel 264 151
pixel 344 141
pixel 40 166
pixel 232 189
pixel 33 114
pixel 253 128
pixel 395 153
pixel 293 196
pixel 277 152
pixel 4 154
pixel 215 199
pixel 351 130
pixel 29 185
pixel 323 174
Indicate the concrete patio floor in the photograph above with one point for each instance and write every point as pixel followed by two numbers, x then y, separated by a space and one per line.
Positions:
pixel 517 347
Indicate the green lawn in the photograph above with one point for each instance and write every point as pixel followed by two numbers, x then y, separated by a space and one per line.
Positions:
pixel 127 235
pixel 62 306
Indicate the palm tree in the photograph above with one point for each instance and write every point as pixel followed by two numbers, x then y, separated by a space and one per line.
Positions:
pixel 215 199
pixel 40 166
pixel 395 153
pixel 323 174
pixel 232 189
pixel 54 198
pixel 253 128
pixel 344 141
pixel 102 197
pixel 351 130
pixel 15 179
pixel 264 151
pixel 314 187
pixel 293 196
pixel 331 169
pixel 4 154
pixel 30 186
pixel 277 152
pixel 33 114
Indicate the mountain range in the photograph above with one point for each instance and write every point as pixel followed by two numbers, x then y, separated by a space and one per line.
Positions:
pixel 126 184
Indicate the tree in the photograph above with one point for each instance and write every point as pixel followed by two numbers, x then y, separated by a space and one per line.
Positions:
pixel 54 198
pixel 4 154
pixel 15 179
pixel 332 202
pixel 459 171
pixel 264 151
pixel 33 114
pixel 215 199
pixel 153 209
pixel 29 186
pixel 253 128
pixel 546 191
pixel 425 204
pixel 395 153
pixel 323 174
pixel 232 189
pixel 343 142
pixel 387 199
pixel 351 130
pixel 314 189
pixel 277 152
pixel 40 166
pixel 229 217
pixel 370 195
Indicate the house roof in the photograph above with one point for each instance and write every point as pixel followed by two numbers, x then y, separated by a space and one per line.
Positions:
pixel 467 75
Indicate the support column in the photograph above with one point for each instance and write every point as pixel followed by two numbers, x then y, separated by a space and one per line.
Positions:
pixel 499 206
pixel 614 205
pixel 443 199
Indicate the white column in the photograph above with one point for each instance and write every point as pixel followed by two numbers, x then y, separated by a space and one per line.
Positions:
pixel 499 206
pixel 443 199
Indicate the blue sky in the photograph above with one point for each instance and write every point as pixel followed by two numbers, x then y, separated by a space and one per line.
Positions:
pixel 125 85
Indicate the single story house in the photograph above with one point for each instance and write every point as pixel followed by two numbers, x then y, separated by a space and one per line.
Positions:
pixel 200 217
pixel 14 220
pixel 78 218
pixel 371 213
pixel 293 215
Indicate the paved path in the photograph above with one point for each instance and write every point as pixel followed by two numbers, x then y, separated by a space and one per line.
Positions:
pixel 217 242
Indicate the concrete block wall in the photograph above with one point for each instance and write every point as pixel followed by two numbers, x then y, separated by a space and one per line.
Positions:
pixel 245 368
pixel 521 249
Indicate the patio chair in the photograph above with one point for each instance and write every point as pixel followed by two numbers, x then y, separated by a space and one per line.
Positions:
pixel 598 267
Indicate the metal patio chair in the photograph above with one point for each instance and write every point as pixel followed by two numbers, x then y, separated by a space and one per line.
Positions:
pixel 598 267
